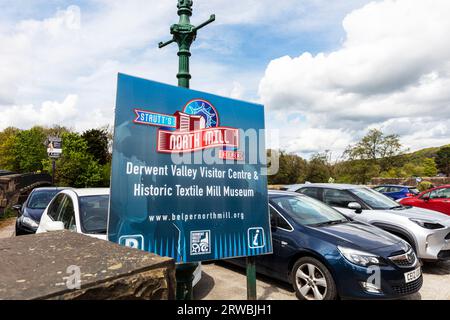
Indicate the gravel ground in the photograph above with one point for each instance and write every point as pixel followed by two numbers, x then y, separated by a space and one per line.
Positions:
pixel 225 281
pixel 7 228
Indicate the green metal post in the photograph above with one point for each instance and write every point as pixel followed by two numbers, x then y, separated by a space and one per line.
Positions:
pixel 251 278
pixel 184 34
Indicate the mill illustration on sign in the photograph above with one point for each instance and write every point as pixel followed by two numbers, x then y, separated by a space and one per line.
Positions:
pixel 193 129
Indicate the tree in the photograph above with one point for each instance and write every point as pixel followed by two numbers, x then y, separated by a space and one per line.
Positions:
pixel 77 167
pixel 7 155
pixel 319 169
pixel 30 149
pixel 292 169
pixel 97 144
pixel 375 153
pixel 443 160
pixel 429 167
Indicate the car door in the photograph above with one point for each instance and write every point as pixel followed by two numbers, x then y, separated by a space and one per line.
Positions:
pixel 51 213
pixel 283 245
pixel 439 200
pixel 67 214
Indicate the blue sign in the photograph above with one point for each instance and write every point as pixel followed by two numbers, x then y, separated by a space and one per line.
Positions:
pixel 186 174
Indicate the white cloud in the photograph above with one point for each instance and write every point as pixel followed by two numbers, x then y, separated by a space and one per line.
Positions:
pixel 392 71
pixel 49 113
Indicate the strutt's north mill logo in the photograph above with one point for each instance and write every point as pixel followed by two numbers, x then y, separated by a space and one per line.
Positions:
pixel 196 127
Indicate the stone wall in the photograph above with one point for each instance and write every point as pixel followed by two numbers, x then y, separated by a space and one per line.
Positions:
pixel 44 267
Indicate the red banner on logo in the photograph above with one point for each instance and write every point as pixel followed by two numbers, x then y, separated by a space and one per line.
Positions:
pixel 188 141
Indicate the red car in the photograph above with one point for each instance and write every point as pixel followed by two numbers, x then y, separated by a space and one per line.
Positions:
pixel 437 199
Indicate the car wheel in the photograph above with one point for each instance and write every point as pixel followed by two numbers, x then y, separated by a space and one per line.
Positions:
pixel 312 280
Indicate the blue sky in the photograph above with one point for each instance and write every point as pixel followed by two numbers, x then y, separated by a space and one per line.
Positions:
pixel 326 71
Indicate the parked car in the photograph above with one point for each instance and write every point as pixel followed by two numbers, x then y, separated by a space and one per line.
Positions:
pixel 437 199
pixel 427 231
pixel 83 211
pixel 397 191
pixel 326 255
pixel 30 212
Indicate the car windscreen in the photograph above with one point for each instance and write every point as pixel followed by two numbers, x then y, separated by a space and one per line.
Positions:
pixel 374 199
pixel 308 211
pixel 94 213
pixel 414 190
pixel 40 199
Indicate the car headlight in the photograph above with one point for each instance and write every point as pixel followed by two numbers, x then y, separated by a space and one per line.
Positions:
pixel 29 222
pixel 427 224
pixel 359 258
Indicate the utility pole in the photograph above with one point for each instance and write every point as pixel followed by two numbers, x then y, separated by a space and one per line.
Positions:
pixel 184 34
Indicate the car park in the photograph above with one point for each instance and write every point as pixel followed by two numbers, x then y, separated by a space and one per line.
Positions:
pixel 397 192
pixel 326 255
pixel 427 231
pixel 437 199
pixel 30 212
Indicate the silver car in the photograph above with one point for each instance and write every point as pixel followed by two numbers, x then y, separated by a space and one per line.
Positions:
pixel 428 232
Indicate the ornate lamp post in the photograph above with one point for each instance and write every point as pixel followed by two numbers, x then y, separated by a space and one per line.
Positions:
pixel 184 34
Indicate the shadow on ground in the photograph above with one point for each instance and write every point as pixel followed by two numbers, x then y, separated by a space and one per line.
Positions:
pixel 436 268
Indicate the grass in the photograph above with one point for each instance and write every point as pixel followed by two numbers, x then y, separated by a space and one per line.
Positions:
pixel 7 216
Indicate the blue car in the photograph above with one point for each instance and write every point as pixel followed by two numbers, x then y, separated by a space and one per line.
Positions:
pixel 30 213
pixel 326 255
pixel 397 192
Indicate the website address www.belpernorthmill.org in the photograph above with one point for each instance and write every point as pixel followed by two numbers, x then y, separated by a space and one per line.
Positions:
pixel 196 217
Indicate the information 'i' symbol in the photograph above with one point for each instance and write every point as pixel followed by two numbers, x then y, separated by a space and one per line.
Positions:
pixel 255 238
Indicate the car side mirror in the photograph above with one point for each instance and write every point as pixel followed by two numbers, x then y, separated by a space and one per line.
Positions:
pixel 355 206
pixel 55 226
pixel 426 198
pixel 17 207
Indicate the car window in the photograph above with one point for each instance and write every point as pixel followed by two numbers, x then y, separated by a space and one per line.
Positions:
pixel 67 214
pixel 373 199
pixel 426 195
pixel 40 199
pixel 414 190
pixel 308 211
pixel 443 193
pixel 310 192
pixel 380 189
pixel 337 198
pixel 94 213
pixel 53 210
pixel 280 221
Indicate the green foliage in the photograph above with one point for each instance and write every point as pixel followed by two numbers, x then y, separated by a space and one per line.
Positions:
pixel 77 167
pixel 430 169
pixel 424 185
pixel 319 169
pixel 30 149
pixel 8 214
pixel 7 152
pixel 292 169
pixel 443 160
pixel 378 149
pixel 97 144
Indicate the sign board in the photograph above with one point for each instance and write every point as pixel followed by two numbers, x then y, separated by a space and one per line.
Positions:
pixel 54 147
pixel 185 181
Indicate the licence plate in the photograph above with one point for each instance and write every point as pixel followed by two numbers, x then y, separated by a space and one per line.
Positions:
pixel 413 275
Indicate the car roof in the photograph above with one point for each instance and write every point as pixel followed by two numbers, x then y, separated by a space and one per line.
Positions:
pixel 338 186
pixel 91 192
pixel 50 189
pixel 273 193
pixel 395 185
